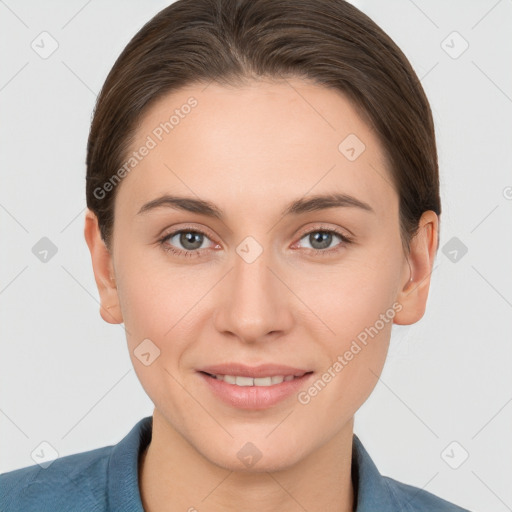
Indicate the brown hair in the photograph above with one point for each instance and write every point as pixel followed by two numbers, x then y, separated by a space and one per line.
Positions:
pixel 330 42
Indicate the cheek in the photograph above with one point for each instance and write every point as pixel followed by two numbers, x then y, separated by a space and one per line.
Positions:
pixel 160 301
pixel 353 296
pixel 361 318
pixel 154 305
pixel 356 309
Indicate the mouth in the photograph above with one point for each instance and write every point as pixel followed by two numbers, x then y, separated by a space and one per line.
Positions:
pixel 254 388
pixel 264 381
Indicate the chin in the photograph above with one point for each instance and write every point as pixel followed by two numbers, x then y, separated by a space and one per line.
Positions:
pixel 250 459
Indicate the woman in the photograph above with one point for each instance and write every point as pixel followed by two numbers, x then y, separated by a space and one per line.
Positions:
pixel 263 204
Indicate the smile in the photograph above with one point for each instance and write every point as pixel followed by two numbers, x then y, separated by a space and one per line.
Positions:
pixel 256 393
pixel 239 380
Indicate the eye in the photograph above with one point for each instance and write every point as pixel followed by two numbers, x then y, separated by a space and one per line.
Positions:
pixel 321 239
pixel 191 240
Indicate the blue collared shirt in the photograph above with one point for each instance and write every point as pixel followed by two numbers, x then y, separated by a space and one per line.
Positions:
pixel 106 479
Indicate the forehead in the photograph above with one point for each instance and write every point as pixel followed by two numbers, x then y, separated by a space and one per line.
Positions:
pixel 256 145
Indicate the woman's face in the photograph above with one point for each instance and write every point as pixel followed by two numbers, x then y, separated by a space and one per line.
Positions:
pixel 257 284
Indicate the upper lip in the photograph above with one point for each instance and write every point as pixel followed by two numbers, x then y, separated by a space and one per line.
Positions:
pixel 263 370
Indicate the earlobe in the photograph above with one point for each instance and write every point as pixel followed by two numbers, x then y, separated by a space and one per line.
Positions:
pixel 103 269
pixel 413 294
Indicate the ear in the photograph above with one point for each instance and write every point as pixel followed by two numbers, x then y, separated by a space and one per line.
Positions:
pixel 414 291
pixel 103 268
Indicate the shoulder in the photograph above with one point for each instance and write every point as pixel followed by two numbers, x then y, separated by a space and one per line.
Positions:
pixel 101 479
pixel 377 492
pixel 414 499
pixel 73 482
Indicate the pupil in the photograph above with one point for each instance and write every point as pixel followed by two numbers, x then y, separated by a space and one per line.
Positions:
pixel 191 238
pixel 324 239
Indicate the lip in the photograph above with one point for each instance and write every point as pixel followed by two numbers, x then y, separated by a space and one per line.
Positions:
pixel 254 397
pixel 263 370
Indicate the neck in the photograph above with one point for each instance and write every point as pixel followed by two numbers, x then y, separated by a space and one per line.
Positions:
pixel 174 476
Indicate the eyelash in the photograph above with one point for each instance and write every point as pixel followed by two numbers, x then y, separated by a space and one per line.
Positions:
pixel 345 240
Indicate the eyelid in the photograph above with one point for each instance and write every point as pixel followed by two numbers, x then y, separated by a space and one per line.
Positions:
pixel 303 231
pixel 324 227
pixel 165 233
pixel 171 232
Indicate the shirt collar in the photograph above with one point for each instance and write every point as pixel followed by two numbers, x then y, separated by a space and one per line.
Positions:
pixel 123 468
pixel 370 488
pixel 371 491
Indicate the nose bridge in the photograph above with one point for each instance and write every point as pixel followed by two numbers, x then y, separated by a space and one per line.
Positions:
pixel 253 290
pixel 253 305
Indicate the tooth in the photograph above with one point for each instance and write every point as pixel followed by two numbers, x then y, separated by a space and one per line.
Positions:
pixel 263 381
pixel 244 381
pixel 229 379
pixel 258 381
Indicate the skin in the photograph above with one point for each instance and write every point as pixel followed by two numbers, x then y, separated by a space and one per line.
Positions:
pixel 238 148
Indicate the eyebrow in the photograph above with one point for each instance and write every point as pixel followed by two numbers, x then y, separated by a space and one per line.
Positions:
pixel 297 207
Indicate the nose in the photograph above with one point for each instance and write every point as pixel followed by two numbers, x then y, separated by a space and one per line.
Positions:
pixel 254 304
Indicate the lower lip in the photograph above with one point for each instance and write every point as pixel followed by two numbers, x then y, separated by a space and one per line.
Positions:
pixel 254 397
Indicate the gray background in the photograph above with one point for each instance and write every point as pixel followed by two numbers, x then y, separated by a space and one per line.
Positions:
pixel 65 376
